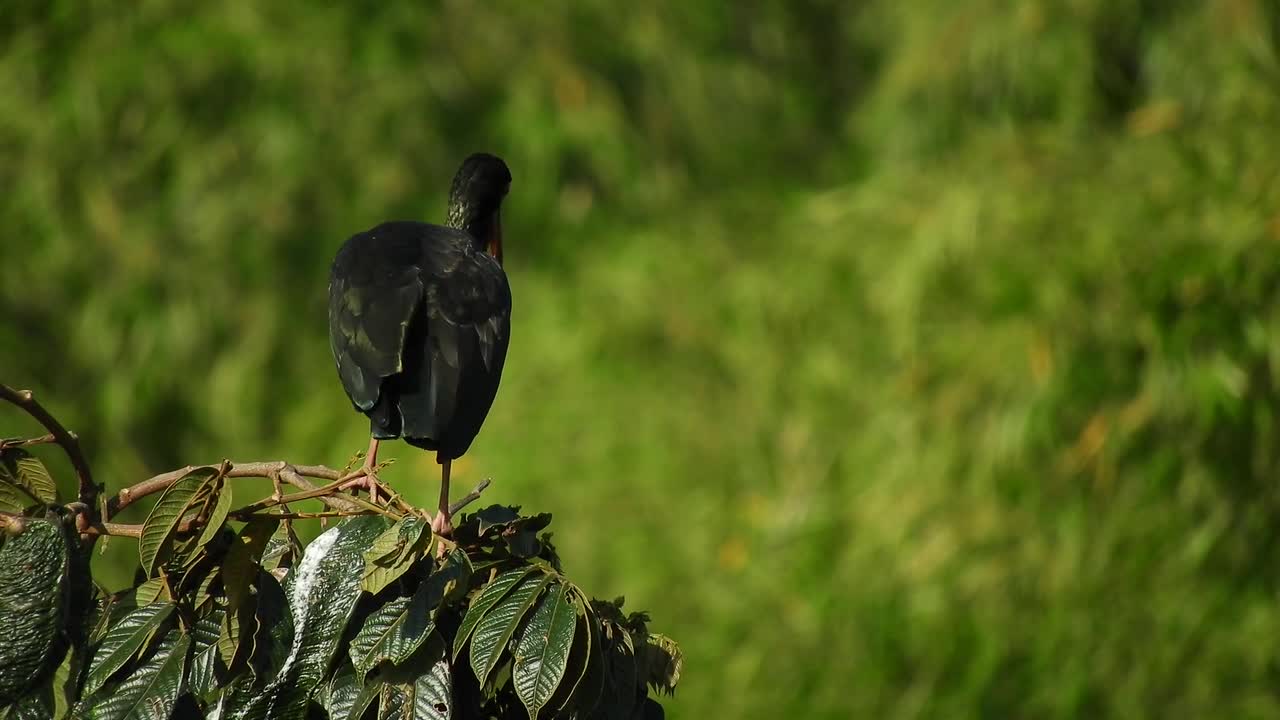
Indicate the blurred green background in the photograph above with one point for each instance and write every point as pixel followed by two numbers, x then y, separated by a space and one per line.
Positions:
pixel 905 359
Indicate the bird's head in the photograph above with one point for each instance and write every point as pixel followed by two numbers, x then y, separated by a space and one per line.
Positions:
pixel 475 200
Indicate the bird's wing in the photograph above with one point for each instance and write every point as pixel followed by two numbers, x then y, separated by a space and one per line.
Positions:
pixel 471 305
pixel 375 289
pixel 467 308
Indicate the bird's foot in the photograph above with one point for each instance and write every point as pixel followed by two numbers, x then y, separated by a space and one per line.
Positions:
pixel 367 479
pixel 442 524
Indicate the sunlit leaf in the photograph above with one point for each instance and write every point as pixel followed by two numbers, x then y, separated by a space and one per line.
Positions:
pixel 433 693
pixel 395 552
pixel 322 592
pixel 123 641
pixel 13 499
pixel 365 697
pixel 24 482
pixel 162 521
pixel 151 591
pixel 542 651
pixel 217 514
pixel 489 596
pixel 499 625
pixel 426 696
pixel 584 674
pixel 664 660
pixel 393 632
pixel 21 468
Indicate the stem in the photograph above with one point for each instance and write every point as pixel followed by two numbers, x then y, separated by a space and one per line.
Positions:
pixel 7 443
pixel 294 475
pixel 26 400
pixel 301 515
pixel 470 497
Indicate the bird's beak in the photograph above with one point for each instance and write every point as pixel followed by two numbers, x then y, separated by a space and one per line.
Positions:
pixel 495 239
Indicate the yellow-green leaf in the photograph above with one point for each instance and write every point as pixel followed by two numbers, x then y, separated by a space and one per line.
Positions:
pixel 154 546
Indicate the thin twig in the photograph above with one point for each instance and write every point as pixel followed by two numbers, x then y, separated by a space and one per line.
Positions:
pixel 294 475
pixel 470 497
pixel 289 515
pixel 7 443
pixel 68 440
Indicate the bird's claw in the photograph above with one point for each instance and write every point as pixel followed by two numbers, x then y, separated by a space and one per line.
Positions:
pixel 442 524
pixel 367 480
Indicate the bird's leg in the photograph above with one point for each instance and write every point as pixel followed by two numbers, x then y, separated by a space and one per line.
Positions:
pixel 442 524
pixel 365 477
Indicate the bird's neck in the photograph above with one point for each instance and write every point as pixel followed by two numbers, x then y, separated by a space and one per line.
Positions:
pixel 467 217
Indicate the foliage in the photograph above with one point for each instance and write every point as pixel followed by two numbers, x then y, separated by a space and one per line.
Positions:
pixel 928 349
pixel 246 623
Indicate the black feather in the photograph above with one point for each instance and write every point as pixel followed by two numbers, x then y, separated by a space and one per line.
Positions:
pixel 419 323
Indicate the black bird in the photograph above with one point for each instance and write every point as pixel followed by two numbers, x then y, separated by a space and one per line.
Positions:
pixel 419 321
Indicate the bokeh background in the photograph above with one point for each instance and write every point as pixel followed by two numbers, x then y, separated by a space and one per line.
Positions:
pixel 905 359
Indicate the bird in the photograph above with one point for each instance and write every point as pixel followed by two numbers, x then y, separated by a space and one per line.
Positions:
pixel 420 321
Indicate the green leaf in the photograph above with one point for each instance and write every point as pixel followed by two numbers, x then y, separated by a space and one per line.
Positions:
pixel 322 592
pixel 150 591
pixel 499 625
pixel 154 547
pixel 522 535
pixel 33 599
pixel 235 639
pixel 394 552
pixel 495 515
pixel 623 686
pixel 338 694
pixel 426 696
pixel 13 499
pixel 542 652
pixel 151 691
pixel 394 703
pixel 583 675
pixel 122 642
pixel 384 630
pixel 218 514
pixel 202 677
pixel 433 693
pixel 38 705
pixel 395 631
pixel 284 548
pixel 391 545
pixel 65 683
pixel 240 570
pixel 664 660
pixel 240 567
pixel 486 599
pixel 362 701
pixel 21 468
pixel 453 579
pixel 275 627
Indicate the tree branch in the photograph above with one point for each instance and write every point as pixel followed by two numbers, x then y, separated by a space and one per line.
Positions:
pixel 70 443
pixel 470 497
pixel 7 443
pixel 294 475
